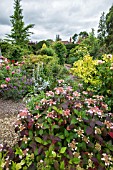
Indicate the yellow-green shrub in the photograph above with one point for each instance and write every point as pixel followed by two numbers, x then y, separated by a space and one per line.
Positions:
pixel 86 69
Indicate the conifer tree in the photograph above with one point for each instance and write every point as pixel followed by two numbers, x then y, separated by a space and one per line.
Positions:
pixel 19 32
pixel 109 25
pixel 102 29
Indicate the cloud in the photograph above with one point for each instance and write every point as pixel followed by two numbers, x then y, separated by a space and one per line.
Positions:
pixel 51 17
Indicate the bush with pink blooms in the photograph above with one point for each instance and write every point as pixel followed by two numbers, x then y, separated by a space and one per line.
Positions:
pixel 62 129
pixel 14 84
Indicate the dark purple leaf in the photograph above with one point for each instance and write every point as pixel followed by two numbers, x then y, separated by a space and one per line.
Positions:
pixel 45 137
pixel 92 124
pixel 65 105
pixel 70 153
pixel 10 153
pixel 99 138
pixel 40 150
pixel 89 130
pixel 56 165
pixel 91 145
pixel 33 145
pixel 32 167
pixel 95 160
pixel 99 123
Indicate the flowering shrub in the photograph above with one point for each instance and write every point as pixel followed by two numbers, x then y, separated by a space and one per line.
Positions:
pixel 13 81
pixel 63 129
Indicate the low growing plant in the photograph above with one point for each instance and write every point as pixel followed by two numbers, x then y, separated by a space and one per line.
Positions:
pixel 63 129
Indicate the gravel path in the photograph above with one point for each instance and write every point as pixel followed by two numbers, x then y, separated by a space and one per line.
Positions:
pixel 8 115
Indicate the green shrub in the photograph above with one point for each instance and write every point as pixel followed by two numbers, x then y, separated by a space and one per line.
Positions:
pixel 46 51
pixel 60 51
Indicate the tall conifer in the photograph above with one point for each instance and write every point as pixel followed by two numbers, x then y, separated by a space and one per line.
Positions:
pixel 19 32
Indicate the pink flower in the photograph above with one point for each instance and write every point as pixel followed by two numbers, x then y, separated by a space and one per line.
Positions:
pixel 66 113
pixel 7 67
pixel 13 72
pixel 60 81
pixel 50 94
pixel 7 79
pixel 3 85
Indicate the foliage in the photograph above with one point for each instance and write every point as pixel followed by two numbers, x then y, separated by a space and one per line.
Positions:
pixel 86 69
pixel 92 44
pixel 14 83
pixel 60 51
pixel 69 47
pixel 83 34
pixel 102 29
pixel 77 53
pixel 19 33
pixel 97 75
pixel 63 129
pixel 109 25
pixel 74 37
pixel 46 51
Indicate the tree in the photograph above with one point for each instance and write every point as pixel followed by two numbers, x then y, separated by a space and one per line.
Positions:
pixel 92 44
pixel 19 33
pixel 109 25
pixel 83 34
pixel 102 29
pixel 60 51
pixel 74 37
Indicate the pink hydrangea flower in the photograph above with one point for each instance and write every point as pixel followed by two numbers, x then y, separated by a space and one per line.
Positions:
pixel 7 79
pixel 8 67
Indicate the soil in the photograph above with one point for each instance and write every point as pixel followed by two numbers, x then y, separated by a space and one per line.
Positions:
pixel 8 116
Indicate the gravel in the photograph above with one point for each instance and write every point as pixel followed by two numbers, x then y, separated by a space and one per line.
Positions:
pixel 8 116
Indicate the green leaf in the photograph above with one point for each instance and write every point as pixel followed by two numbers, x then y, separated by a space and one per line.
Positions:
pixel 61 136
pixel 68 140
pixel 55 127
pixel 63 149
pixel 41 132
pixel 18 151
pixel 39 140
pixel 75 161
pixel 30 134
pixel 62 165
pixel 36 151
pixel 18 166
pixel 74 121
pixel 66 133
pixel 54 154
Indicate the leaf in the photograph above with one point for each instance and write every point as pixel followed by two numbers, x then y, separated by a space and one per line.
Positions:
pixel 56 165
pixel 111 134
pixel 62 165
pixel 74 121
pixel 61 136
pixel 76 160
pixel 40 131
pixel 53 154
pixel 89 130
pixel 66 133
pixel 63 149
pixel 39 140
pixel 55 127
pixel 92 124
pixel 99 123
pixel 36 151
pixel 30 134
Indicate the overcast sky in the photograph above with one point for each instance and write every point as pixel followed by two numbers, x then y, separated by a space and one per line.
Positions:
pixel 52 17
